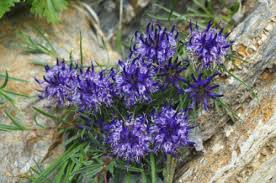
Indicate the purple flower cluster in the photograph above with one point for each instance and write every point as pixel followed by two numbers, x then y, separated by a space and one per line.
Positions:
pixel 70 86
pixel 58 84
pixel 200 90
pixel 170 130
pixel 135 82
pixel 210 45
pixel 156 44
pixel 152 66
pixel 171 74
pixel 94 89
pixel 129 139
pixel 132 139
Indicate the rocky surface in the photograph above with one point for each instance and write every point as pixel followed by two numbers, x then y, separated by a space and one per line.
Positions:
pixel 20 150
pixel 243 151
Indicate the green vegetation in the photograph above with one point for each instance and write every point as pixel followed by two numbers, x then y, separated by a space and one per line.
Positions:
pixel 201 11
pixel 49 9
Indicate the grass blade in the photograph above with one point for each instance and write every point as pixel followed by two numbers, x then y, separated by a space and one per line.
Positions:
pixel 5 81
pixel 45 113
pixel 17 124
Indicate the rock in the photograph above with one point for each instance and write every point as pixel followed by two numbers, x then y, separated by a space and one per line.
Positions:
pixel 20 150
pixel 243 151
pixel 109 11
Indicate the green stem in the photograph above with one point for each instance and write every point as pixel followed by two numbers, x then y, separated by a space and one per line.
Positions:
pixel 81 53
pixel 170 169
pixel 128 179
pixel 144 178
pixel 153 171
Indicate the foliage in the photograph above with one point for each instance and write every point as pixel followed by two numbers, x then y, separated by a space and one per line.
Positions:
pixel 5 6
pixel 49 9
pixel 38 45
pixel 8 97
pixel 202 11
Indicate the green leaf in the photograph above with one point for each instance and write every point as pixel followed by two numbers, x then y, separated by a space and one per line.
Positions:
pixel 49 9
pixel 46 114
pixel 16 94
pixel 5 6
pixel 40 44
pixel 12 78
pixel 129 168
pixel 5 81
pixel 7 97
pixel 59 163
pixel 16 123
pixel 7 128
pixel 90 170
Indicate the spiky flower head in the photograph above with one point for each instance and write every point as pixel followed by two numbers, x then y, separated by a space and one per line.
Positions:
pixel 170 130
pixel 135 81
pixel 171 72
pixel 209 45
pixel 95 89
pixel 157 44
pixel 129 139
pixel 200 90
pixel 58 84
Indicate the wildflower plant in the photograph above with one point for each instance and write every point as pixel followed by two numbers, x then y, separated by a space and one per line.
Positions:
pixel 128 121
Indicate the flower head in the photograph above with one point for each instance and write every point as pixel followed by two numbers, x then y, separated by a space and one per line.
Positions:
pixel 170 130
pixel 135 81
pixel 200 90
pixel 210 45
pixel 157 44
pixel 129 139
pixel 59 84
pixel 171 71
pixel 95 89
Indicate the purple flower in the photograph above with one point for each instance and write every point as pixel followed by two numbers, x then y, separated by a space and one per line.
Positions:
pixel 170 130
pixel 200 90
pixel 135 81
pixel 129 139
pixel 210 45
pixel 156 44
pixel 59 83
pixel 95 89
pixel 171 74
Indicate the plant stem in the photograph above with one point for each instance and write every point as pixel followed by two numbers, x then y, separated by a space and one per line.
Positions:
pixel 128 179
pixel 144 178
pixel 170 169
pixel 152 167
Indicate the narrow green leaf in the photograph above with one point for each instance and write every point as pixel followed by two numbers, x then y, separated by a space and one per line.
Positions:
pixel 128 168
pixel 201 5
pixel 249 88
pixel 81 51
pixel 41 34
pixel 46 114
pixel 13 78
pixel 5 81
pixel 7 128
pixel 18 124
pixel 16 94
pixel 7 97
pixel 36 122
pixel 42 177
